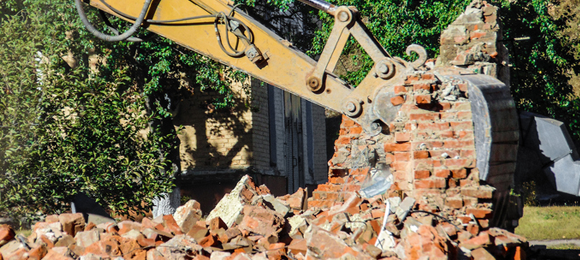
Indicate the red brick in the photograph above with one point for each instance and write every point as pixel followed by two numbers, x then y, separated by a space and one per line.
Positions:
pixel 467 153
pixel 400 175
pixel 336 180
pixel 427 164
pixel 479 212
pixel 397 100
pixel 445 106
pixel 465 182
pixel 464 219
pixel 482 254
pixel 72 223
pixel 424 117
pixel 409 107
pixel 423 99
pixel 20 253
pixel 454 202
pixel 320 204
pixel 447 134
pixel 427 76
pixel 452 183
pixel 355 130
pixel 37 252
pixel 422 174
pixel 478 192
pixel 347 122
pixel 459 173
pixel 411 78
pixel 464 115
pixel 469 202
pixel 433 183
pixel 477 242
pixel 459 163
pixel 464 125
pixel 443 173
pixel 454 144
pixel 450 229
pixel 104 248
pixel 421 155
pixel 462 106
pixel 217 223
pixel 298 246
pixel 49 244
pixel 276 251
pixel 130 248
pixel 6 234
pixel 343 140
pixel 483 223
pixel 433 126
pixel 449 115
pixel 208 241
pixel 378 213
pixel 351 187
pixel 422 86
pixel 400 89
pixel 397 147
pixel 402 156
pixel 170 225
pixel 402 137
pixel 472 228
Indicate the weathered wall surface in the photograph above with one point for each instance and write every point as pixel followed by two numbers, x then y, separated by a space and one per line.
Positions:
pixel 252 137
pixel 213 139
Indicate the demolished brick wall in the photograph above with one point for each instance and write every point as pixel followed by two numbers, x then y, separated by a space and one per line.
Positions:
pixel 430 149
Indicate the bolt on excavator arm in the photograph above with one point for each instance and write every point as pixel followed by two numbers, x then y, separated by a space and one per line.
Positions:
pixel 217 29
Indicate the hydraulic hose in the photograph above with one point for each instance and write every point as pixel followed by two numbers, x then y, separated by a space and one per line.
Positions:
pixel 112 38
pixel 114 30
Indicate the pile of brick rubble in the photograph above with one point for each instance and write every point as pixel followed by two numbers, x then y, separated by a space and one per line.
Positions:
pixel 250 223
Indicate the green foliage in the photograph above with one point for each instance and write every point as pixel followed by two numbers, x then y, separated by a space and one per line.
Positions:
pixel 65 128
pixel 529 194
pixel 19 105
pixel 544 64
pixel 106 131
pixel 396 25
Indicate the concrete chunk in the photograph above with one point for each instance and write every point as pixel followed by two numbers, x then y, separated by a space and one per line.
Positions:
pixel 231 205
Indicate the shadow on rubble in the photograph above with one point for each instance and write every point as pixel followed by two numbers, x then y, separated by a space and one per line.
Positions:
pixel 541 252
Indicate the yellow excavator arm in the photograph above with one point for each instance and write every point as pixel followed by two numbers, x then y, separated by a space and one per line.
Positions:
pixel 217 29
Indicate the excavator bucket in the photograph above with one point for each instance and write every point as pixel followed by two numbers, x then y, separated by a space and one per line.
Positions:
pixel 496 129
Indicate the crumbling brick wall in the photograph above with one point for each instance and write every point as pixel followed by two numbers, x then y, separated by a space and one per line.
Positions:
pixel 430 149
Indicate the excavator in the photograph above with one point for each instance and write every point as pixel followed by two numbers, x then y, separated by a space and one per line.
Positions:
pixel 217 29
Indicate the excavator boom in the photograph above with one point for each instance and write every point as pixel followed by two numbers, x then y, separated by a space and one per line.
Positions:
pixel 217 29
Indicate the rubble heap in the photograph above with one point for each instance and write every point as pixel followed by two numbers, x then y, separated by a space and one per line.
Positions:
pixel 258 225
